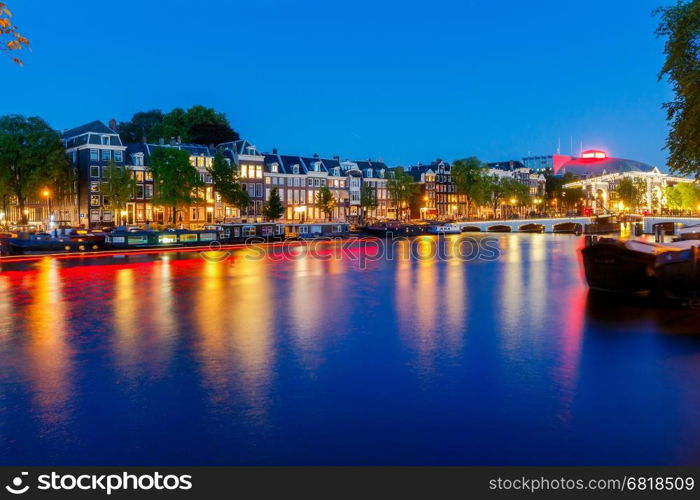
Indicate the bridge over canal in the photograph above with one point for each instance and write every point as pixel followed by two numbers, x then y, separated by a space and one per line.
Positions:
pixel 561 224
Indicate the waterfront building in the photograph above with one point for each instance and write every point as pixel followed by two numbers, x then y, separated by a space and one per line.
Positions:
pixel 90 148
pixel 542 163
pixel 437 190
pixel 517 170
pixel 599 175
pixel 251 171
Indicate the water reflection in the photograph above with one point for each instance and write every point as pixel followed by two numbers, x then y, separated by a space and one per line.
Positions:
pixel 249 361
pixel 47 353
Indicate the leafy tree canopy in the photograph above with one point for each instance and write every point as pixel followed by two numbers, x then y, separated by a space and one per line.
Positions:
pixel 680 25
pixel 175 179
pixel 32 156
pixel 273 209
pixel 118 186
pixel 325 201
pixel 199 124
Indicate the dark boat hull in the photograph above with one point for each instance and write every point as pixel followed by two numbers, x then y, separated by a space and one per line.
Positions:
pixel 678 274
pixel 610 267
pixel 531 228
pixel 567 228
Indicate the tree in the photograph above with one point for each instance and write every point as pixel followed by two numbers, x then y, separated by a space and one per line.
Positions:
pixel 140 126
pixel 175 179
pixel 401 188
pixel 674 197
pixel 680 25
pixel 469 180
pixel 515 192
pixel 325 201
pixel 273 209
pixel 683 196
pixel 496 188
pixel 118 186
pixel 32 156
pixel 224 175
pixel 199 124
pixel 368 199
pixel 631 192
pixel 10 38
pixel 572 196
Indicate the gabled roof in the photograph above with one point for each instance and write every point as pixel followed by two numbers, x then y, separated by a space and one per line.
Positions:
pixel 95 126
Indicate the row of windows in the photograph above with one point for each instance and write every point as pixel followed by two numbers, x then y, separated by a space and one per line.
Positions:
pixel 139 175
pixel 254 171
pixel 106 155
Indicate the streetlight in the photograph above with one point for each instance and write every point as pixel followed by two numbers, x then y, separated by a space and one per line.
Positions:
pixel 47 194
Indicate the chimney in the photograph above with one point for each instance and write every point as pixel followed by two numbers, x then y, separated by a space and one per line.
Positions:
pixel 336 157
pixel 113 124
pixel 274 151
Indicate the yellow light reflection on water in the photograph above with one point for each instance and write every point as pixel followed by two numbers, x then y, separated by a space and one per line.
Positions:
pixel 235 321
pixel 48 354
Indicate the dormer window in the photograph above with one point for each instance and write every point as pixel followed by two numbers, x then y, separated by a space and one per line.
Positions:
pixel 104 140
pixel 368 172
pixel 336 171
pixel 295 169
pixel 381 173
pixel 274 168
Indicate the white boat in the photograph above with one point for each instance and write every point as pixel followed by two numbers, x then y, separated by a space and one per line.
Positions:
pixel 444 229
pixel 689 232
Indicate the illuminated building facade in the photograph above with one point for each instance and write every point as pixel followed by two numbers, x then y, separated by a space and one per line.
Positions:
pixel 599 175
pixel 91 148
pixel 517 170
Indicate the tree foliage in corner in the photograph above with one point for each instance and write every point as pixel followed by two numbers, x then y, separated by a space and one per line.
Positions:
pixel 273 209
pixel 680 25
pixel 175 179
pixel 32 156
pixel 10 38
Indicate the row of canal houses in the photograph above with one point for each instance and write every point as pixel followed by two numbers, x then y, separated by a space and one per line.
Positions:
pixel 91 147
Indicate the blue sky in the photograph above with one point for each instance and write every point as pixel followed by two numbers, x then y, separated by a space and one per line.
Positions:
pixel 402 81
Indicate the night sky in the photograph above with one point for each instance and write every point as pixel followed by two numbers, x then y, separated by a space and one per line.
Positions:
pixel 401 81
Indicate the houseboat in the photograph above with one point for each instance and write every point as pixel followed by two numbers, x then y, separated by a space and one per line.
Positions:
pixel 395 228
pixel 614 265
pixel 136 238
pixel 678 273
pixel 444 229
pixel 315 230
pixel 65 240
pixel 249 232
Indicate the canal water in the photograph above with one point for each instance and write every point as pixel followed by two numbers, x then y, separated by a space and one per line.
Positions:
pixel 291 358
